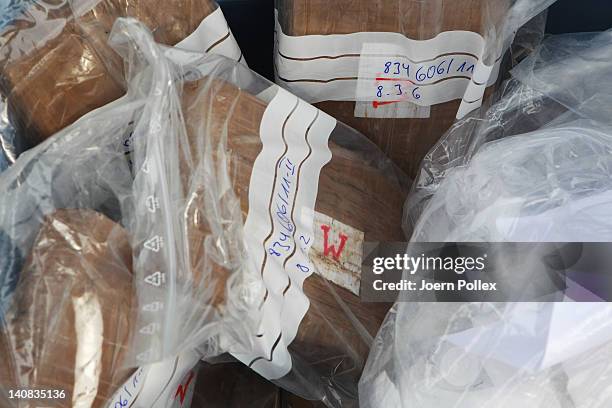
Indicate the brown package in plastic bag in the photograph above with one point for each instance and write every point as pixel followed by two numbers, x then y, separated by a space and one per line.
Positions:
pixel 329 54
pixel 55 64
pixel 356 189
pixel 233 385
pixel 246 209
pixel 69 327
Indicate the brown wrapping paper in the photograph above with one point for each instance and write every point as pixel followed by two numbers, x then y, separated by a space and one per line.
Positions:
pixel 354 188
pixel 80 255
pixel 71 319
pixel 59 66
pixel 233 385
pixel 405 141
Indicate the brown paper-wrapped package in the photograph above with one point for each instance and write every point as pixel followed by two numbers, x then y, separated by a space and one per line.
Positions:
pixel 233 385
pixel 404 140
pixel 56 65
pixel 357 187
pixel 80 256
pixel 70 321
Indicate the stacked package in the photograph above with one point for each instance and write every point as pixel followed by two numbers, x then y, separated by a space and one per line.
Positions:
pixel 205 212
pixel 398 71
pixel 534 168
pixel 56 65
pixel 175 207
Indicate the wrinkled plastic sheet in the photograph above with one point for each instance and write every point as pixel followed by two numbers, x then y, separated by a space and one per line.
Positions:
pixel 535 167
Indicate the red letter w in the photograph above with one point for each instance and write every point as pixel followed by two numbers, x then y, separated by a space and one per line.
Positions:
pixel 330 248
pixel 182 389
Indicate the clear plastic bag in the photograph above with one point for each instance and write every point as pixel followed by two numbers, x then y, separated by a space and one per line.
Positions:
pixel 531 100
pixel 8 145
pixel 233 385
pixel 55 64
pixel 326 54
pixel 174 169
pixel 104 285
pixel 535 168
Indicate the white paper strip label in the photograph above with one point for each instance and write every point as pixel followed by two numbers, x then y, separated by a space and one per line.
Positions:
pixel 214 36
pixel 167 384
pixel 385 68
pixel 279 226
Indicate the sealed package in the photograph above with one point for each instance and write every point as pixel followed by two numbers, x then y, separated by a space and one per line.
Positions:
pixel 96 294
pixel 398 71
pixel 311 191
pixel 8 152
pixel 55 64
pixel 534 168
pixel 233 385
pixel 231 214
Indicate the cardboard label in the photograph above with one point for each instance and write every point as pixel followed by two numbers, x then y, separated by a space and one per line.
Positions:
pixel 337 252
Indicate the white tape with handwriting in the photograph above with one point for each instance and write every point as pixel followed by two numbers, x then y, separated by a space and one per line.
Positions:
pixel 384 68
pixel 167 384
pixel 279 226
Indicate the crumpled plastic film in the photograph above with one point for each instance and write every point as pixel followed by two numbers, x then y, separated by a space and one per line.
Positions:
pixel 55 64
pixel 532 99
pixel 8 145
pixel 168 168
pixel 84 302
pixel 534 168
pixel 228 103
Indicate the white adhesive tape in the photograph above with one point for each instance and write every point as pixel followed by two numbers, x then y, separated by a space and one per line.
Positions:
pixel 383 68
pixel 278 229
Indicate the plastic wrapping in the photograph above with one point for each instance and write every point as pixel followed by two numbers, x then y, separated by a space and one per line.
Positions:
pixel 534 168
pixel 331 63
pixel 167 169
pixel 7 138
pixel 104 284
pixel 8 154
pixel 532 100
pixel 233 385
pixel 55 64
pixel 332 339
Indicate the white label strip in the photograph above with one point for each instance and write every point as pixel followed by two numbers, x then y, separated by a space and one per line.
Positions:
pixel 167 384
pixel 279 226
pixel 214 36
pixel 337 252
pixel 346 67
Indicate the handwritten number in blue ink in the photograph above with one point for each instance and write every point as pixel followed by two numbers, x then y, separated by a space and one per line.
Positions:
pixel 379 93
pixel 407 68
pixel 431 72
pixel 440 69
pixel 276 243
pixel 420 76
pixel 397 68
pixel 399 89
pixel 273 252
pixel 415 94
pixel 304 240
pixel 122 403
pixel 387 67
pixel 303 268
